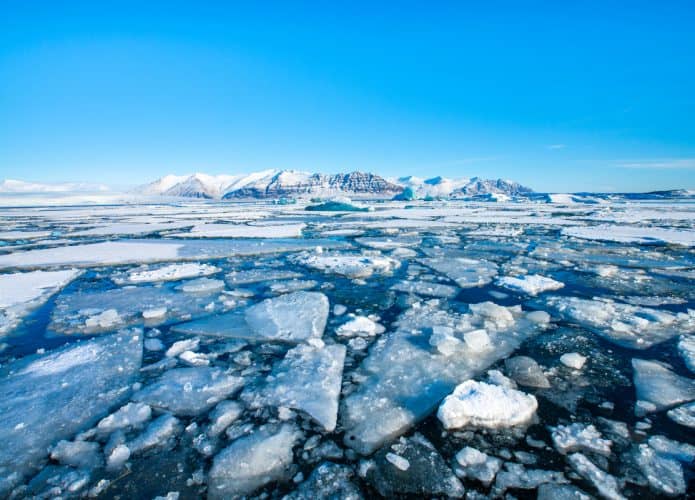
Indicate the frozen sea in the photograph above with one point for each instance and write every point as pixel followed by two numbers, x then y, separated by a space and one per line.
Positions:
pixel 425 349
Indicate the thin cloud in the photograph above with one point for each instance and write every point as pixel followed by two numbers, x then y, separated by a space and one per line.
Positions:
pixel 556 146
pixel 659 164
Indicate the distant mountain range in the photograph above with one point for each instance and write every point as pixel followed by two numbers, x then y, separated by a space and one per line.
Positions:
pixel 274 184
pixel 290 183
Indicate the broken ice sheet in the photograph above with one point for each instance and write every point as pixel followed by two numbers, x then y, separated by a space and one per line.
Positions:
pixel 52 397
pixel 466 273
pixel 406 377
pixel 623 324
pixel 308 379
pixel 189 391
pixel 105 310
pixel 147 251
pixel 22 292
pixel 349 265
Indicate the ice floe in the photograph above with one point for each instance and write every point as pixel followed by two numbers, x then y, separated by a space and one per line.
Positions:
pixel 253 461
pixel 624 324
pixel 645 235
pixel 307 379
pixel 531 284
pixel 657 385
pixel 75 386
pixel 189 391
pixel 22 292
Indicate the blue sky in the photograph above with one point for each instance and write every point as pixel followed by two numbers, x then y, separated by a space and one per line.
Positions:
pixel 589 96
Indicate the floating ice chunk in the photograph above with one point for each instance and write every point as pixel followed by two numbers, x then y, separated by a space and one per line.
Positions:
pixel 157 313
pixel 170 272
pixel 682 452
pixel 426 288
pixel 189 391
pixel 525 371
pixel 390 243
pixel 117 457
pixel 329 480
pixel 251 462
pixel 293 317
pixel 339 309
pixel 154 345
pixel 75 385
pixel 658 385
pixel 623 324
pixel 105 320
pixel 292 286
pixel 99 311
pixel 20 293
pixel 604 483
pixel 645 235
pixel 445 342
pixel 232 324
pixel 130 229
pixel 194 358
pixel 398 461
pixel 552 491
pixel 573 360
pixel 466 273
pixel 578 437
pixel 518 477
pixel 349 265
pixel 159 433
pixel 413 467
pixel 248 276
pixel 182 345
pixel 359 326
pixel 686 347
pixel 530 284
pixel 224 415
pixel 483 405
pixel 684 415
pixel 307 379
pixel 477 340
pixel 78 454
pixel 23 235
pixel 471 463
pixel 202 285
pixel 56 480
pixel 132 415
pixel 212 230
pixel 664 474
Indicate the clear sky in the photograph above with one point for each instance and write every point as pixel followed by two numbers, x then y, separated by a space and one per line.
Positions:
pixel 561 96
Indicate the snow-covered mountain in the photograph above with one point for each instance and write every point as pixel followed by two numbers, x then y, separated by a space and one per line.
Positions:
pixel 272 184
pixel 15 186
pixel 460 188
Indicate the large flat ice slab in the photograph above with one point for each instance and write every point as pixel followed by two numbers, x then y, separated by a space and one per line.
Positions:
pixel 466 273
pixel 644 235
pixel 189 391
pixel 658 385
pixel 293 317
pixel 147 251
pixel 307 379
pixel 251 462
pixel 623 324
pixel 52 397
pixel 100 311
pixel 243 231
pixel 349 265
pixel 409 371
pixel 22 292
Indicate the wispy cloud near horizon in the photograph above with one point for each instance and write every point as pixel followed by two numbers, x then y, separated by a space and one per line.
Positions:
pixel 556 146
pixel 659 164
